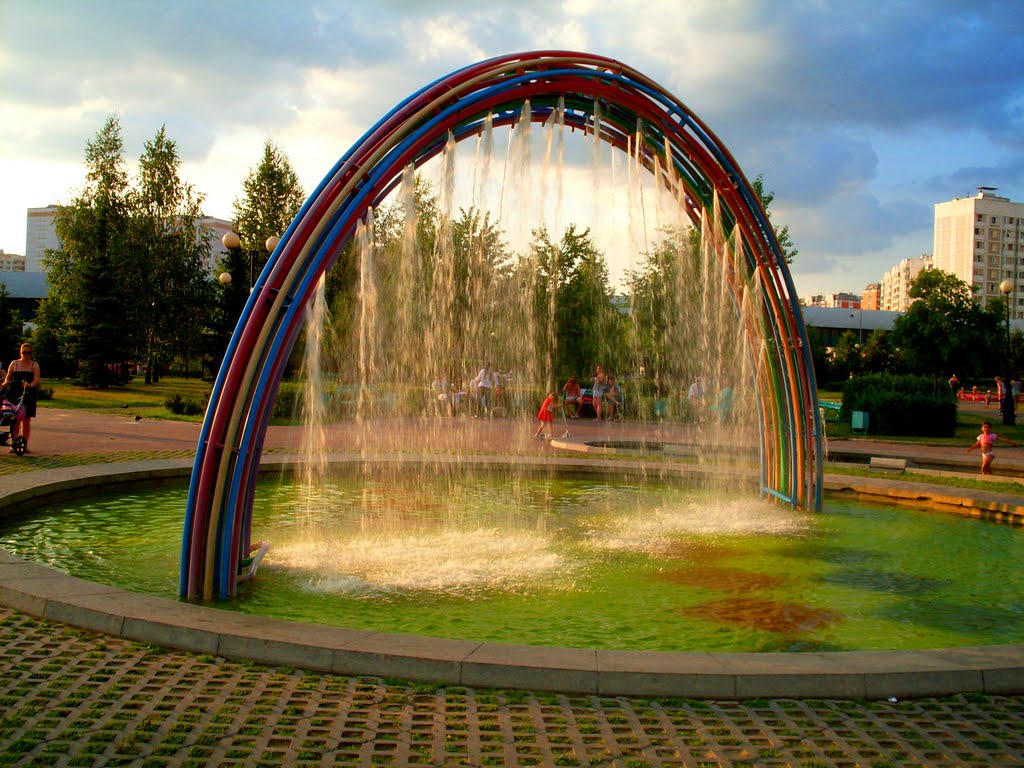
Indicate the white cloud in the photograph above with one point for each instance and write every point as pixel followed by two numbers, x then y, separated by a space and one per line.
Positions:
pixel 859 123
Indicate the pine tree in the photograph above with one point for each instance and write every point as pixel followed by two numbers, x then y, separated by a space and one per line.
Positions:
pixel 170 259
pixel 273 196
pixel 92 275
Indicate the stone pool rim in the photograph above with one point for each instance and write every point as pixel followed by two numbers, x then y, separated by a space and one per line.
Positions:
pixel 52 595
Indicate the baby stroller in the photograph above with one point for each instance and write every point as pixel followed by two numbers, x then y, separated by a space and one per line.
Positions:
pixel 9 415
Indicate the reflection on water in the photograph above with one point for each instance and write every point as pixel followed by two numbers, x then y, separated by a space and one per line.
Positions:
pixel 573 562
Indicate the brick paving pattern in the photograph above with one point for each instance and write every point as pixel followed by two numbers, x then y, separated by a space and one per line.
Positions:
pixel 72 698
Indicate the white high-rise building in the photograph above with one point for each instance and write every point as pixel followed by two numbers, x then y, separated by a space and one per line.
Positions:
pixel 895 292
pixel 981 240
pixel 39 235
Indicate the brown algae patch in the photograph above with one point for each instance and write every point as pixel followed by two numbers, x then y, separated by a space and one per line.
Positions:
pixel 723 579
pixel 764 615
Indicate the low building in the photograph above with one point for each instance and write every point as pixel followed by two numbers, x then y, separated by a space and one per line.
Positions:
pixel 24 290
pixel 11 262
pixel 832 322
pixel 842 300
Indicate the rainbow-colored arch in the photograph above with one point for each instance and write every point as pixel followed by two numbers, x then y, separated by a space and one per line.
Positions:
pixel 635 114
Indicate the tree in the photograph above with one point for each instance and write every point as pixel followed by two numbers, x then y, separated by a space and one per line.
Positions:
pixel 782 235
pixel 664 292
pixel 576 325
pixel 170 257
pixel 11 327
pixel 819 355
pixel 273 196
pixel 48 340
pixel 945 331
pixel 92 278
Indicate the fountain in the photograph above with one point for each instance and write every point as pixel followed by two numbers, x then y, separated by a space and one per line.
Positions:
pixel 744 277
pixel 591 563
pixel 410 516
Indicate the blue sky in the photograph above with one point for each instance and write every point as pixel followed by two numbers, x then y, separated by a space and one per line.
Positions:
pixel 860 115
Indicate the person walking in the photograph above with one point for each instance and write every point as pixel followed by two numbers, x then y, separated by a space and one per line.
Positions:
pixel 486 382
pixel 24 371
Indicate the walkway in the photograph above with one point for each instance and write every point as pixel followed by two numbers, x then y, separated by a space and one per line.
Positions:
pixel 70 698
pixel 74 698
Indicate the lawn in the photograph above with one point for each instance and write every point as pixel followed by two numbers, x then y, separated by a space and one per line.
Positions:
pixel 134 399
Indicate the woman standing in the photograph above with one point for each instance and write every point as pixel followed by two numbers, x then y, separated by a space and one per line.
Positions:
pixel 25 371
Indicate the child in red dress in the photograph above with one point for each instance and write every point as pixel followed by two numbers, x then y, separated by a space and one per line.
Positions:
pixel 546 416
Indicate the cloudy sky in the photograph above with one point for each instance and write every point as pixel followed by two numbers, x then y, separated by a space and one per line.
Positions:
pixel 860 115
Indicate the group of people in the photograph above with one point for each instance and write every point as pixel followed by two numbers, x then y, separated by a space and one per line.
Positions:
pixel 605 398
pixel 22 382
pixel 482 394
pixel 701 405
pixel 1014 390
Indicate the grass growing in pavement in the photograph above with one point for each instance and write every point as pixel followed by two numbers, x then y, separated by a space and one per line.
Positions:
pixel 997 486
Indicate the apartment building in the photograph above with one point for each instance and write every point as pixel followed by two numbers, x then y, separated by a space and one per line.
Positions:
pixel 40 235
pixel 894 294
pixel 871 297
pixel 980 239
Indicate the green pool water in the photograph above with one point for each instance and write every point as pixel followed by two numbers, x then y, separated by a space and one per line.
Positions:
pixel 569 562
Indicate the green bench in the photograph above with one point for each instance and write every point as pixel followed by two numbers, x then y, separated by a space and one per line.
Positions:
pixel 829 411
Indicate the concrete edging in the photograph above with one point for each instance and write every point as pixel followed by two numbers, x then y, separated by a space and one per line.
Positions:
pixel 55 596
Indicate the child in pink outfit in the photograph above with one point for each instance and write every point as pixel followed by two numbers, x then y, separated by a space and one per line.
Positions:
pixel 986 441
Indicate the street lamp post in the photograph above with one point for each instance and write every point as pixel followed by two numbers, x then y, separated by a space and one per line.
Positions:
pixel 1007 404
pixel 231 241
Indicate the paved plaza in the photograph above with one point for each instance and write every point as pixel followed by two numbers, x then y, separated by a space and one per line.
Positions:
pixel 73 697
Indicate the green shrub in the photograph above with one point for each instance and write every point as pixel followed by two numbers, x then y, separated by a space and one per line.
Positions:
pixel 902 404
pixel 290 400
pixel 188 406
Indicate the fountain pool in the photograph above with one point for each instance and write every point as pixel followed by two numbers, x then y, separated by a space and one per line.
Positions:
pixel 590 563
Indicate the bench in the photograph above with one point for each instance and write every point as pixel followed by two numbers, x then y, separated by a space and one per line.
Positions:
pixel 829 411
pixel 889 464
